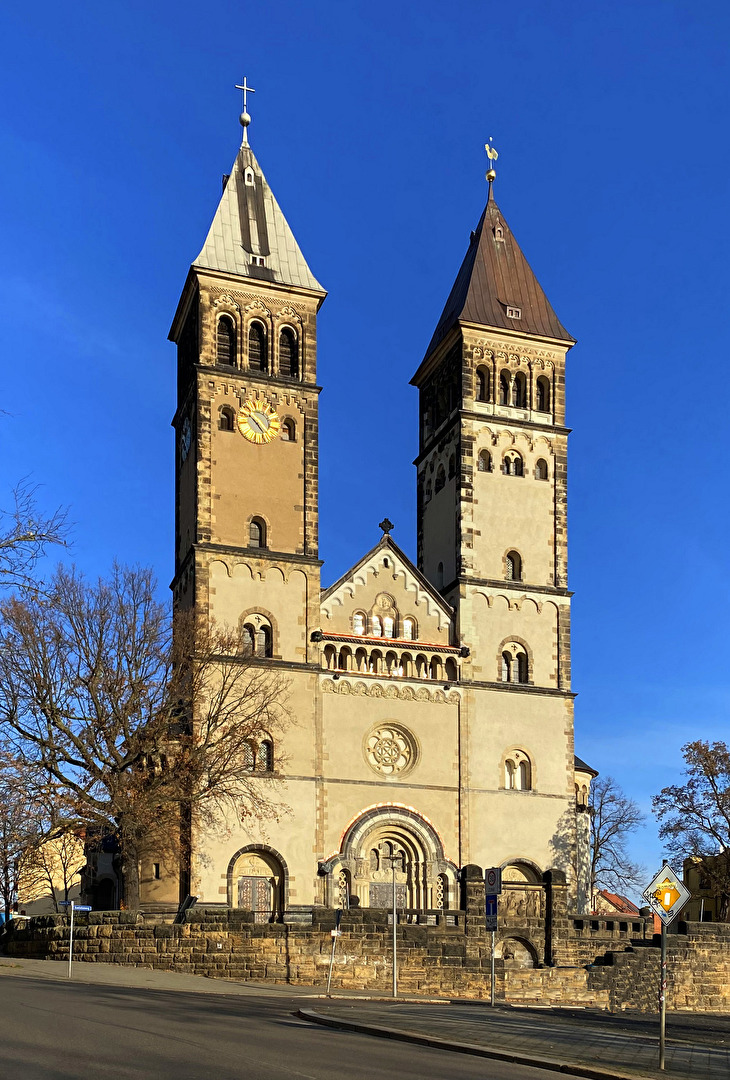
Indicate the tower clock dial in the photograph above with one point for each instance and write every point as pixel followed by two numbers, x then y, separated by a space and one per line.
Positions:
pixel 186 437
pixel 258 421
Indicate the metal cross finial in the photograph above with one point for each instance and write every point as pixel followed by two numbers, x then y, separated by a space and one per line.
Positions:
pixel 386 525
pixel 246 90
pixel 244 118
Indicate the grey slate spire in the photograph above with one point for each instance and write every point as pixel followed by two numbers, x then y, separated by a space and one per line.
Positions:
pixel 249 236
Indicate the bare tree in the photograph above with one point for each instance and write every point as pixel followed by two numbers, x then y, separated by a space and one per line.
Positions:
pixel 144 733
pixel 695 816
pixel 25 536
pixel 613 818
pixel 20 836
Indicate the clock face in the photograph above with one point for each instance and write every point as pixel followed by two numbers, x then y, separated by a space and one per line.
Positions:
pixel 258 422
pixel 186 438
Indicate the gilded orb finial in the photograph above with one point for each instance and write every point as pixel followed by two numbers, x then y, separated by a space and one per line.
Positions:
pixel 492 155
pixel 245 118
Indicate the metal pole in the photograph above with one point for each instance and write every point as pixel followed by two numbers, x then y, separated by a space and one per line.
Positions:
pixel 663 1000
pixel 395 936
pixel 491 968
pixel 71 940
pixel 335 935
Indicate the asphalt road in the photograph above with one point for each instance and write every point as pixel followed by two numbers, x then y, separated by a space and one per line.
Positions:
pixel 56 1031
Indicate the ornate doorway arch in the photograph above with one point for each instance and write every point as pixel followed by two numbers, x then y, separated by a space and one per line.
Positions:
pixel 384 839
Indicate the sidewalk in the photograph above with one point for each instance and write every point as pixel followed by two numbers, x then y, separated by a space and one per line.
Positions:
pixel 583 1042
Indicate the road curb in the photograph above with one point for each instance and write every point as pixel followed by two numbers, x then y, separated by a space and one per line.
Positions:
pixel 586 1071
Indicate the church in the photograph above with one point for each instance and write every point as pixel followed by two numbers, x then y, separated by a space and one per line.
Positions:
pixel 432 711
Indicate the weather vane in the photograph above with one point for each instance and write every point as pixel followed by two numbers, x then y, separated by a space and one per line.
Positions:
pixel 244 119
pixel 492 155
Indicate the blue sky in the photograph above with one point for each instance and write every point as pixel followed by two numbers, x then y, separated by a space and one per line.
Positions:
pixel 369 121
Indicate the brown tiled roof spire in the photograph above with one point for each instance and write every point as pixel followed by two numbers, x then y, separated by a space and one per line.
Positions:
pixel 495 278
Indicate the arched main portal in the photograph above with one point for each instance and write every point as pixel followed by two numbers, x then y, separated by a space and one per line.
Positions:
pixel 386 842
pixel 257 882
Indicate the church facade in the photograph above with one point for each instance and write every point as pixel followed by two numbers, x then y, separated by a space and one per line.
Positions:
pixel 432 712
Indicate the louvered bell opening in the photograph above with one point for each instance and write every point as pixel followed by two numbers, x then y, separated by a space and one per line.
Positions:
pixel 226 341
pixel 288 354
pixel 257 348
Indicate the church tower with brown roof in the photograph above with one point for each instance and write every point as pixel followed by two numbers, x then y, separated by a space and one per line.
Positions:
pixel 492 518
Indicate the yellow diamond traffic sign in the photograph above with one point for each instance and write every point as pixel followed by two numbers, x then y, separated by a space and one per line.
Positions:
pixel 666 894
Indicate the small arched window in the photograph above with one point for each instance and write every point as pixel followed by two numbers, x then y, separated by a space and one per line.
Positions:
pixel 388 626
pixel 226 341
pixel 249 756
pixel 265 761
pixel 451 670
pixel 376 628
pixel 542 396
pixel 288 354
pixel 509 774
pixel 263 640
pixel 506 667
pixel 513 566
pixel 519 391
pixel 358 623
pixel 409 629
pixel 482 384
pixel 504 388
pixel 440 478
pixel 227 419
pixel 484 461
pixel 519 668
pixel 524 775
pixel 512 464
pixel 541 469
pixel 257 358
pixel 249 639
pixel 288 431
pixel 435 668
pixel 257 533
pixel 427 494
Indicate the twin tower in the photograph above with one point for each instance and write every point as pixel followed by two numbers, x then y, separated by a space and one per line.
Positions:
pixel 432 721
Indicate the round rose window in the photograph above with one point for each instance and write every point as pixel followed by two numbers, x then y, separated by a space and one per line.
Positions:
pixel 390 749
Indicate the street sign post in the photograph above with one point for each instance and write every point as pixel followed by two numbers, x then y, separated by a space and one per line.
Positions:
pixel 666 895
pixel 492 886
pixel 493 880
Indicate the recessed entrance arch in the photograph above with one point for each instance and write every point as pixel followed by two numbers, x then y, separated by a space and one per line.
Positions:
pixel 387 840
pixel 257 880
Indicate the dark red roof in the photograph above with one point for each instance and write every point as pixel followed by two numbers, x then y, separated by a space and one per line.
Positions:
pixel 496 275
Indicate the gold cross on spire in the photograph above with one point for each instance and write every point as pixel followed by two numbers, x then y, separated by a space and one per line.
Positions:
pixel 244 119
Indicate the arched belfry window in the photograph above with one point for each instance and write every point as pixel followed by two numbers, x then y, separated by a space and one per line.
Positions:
pixel 257 533
pixel 519 391
pixel 226 341
pixel 482 384
pixel 541 469
pixel 288 354
pixel 542 402
pixel 288 431
pixel 258 637
pixel 257 358
pixel 514 664
pixel 440 478
pixel 504 388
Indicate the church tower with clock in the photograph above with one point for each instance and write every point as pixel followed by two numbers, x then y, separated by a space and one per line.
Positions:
pixel 246 418
pixel 431 708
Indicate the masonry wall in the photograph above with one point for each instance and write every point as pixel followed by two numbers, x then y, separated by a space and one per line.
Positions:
pixel 562 959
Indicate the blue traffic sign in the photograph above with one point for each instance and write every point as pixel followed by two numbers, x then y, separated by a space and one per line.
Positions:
pixel 490 903
pixel 82 907
pixel 64 903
